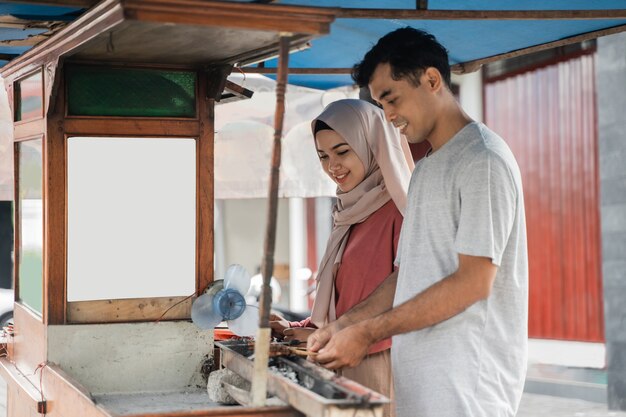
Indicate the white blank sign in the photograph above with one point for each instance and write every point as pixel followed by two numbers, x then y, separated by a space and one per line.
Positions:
pixel 131 218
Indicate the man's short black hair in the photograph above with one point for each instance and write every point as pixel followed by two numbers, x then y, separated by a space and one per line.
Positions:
pixel 409 52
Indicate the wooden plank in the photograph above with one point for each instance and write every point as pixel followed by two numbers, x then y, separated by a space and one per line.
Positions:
pixel 130 127
pixel 8 57
pixel 29 128
pixel 319 14
pixel 55 193
pixel 422 14
pixel 8 85
pixel 29 41
pixel 234 92
pixel 179 45
pixel 472 66
pixel 29 342
pixel 129 310
pixel 299 42
pixel 296 19
pixel 215 82
pixel 269 23
pixel 16 223
pixel 229 412
pixel 204 186
pixel 27 138
pixel 8 21
pixel 14 377
pixel 17 404
pixel 52 77
pixel 304 71
pixel 67 3
pixel 66 396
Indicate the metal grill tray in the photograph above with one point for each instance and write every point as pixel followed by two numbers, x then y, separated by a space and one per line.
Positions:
pixel 314 391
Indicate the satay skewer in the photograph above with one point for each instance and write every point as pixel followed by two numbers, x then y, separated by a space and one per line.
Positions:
pixel 302 351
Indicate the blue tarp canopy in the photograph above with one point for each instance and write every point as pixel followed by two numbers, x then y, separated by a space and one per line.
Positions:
pixel 467 39
pixel 20 25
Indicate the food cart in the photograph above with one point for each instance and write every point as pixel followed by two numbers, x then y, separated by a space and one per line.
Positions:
pixel 113 137
pixel 113 145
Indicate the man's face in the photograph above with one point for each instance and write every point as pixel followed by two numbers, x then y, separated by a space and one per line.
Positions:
pixel 408 107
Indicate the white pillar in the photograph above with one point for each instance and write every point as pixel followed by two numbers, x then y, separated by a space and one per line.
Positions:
pixel 297 255
pixel 219 250
pixel 324 224
pixel 471 93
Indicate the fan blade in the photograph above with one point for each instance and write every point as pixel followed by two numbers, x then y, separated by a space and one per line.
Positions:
pixel 237 278
pixel 246 324
pixel 202 313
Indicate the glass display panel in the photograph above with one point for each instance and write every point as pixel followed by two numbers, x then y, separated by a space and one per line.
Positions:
pixel 30 206
pixel 101 91
pixel 131 212
pixel 29 98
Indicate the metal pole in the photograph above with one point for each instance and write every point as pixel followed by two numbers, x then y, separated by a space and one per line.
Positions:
pixel 262 342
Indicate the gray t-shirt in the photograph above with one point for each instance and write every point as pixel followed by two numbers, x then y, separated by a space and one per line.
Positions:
pixel 465 198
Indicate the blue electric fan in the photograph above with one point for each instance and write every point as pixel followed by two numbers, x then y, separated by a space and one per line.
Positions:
pixel 224 300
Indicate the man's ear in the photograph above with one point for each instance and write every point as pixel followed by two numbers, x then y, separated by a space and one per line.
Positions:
pixel 432 77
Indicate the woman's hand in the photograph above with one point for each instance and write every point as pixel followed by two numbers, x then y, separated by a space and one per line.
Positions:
pixel 278 324
pixel 298 333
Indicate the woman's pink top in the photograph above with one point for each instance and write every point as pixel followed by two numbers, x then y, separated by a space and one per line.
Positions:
pixel 367 260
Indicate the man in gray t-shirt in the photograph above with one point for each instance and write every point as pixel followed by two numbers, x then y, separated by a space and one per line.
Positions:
pixel 464 199
pixel 457 307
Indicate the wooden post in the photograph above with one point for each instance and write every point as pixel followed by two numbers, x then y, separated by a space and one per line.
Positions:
pixel 261 349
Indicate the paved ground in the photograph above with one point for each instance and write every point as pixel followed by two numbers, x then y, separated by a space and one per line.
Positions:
pixel 533 405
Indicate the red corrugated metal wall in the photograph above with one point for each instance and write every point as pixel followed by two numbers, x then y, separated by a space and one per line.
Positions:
pixel 548 117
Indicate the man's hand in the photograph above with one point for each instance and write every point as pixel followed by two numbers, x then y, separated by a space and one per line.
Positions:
pixel 346 348
pixel 278 324
pixel 380 301
pixel 320 337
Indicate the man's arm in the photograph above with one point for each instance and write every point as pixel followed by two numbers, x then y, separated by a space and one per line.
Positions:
pixel 378 302
pixel 471 283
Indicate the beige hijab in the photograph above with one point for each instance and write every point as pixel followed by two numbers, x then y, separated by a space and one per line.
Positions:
pixel 388 165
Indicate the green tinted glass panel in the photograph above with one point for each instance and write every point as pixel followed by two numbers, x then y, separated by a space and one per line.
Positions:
pixel 30 202
pixel 29 96
pixel 96 91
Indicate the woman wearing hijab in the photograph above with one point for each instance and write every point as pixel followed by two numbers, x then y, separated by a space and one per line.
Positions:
pixel 371 165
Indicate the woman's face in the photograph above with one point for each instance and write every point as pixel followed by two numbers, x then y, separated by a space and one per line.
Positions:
pixel 339 160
